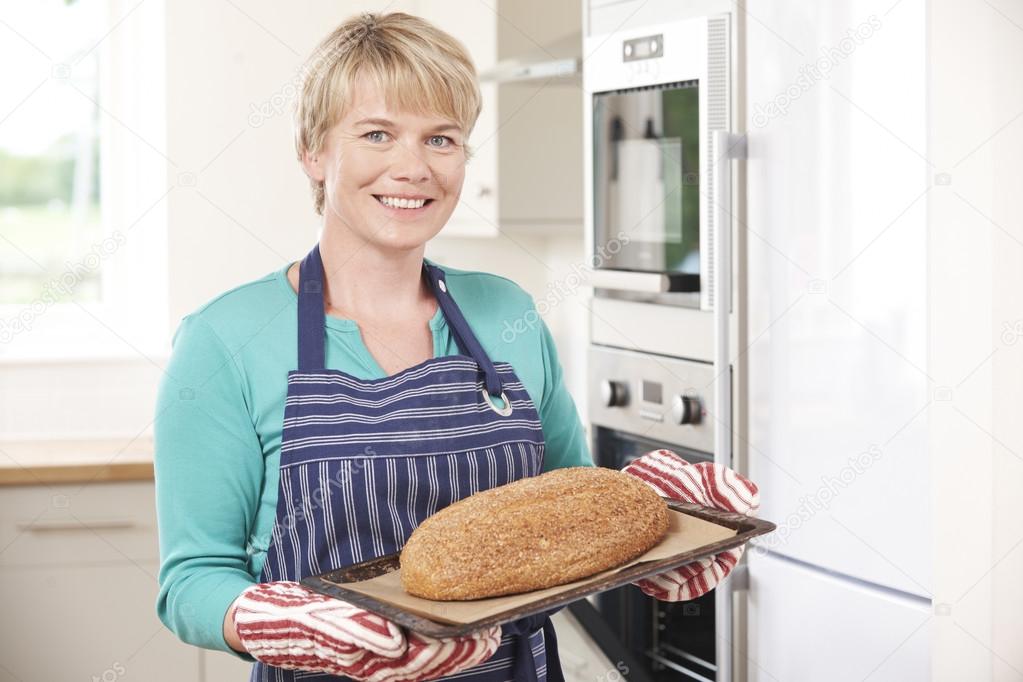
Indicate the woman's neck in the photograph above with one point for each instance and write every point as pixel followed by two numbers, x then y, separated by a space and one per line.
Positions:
pixel 365 283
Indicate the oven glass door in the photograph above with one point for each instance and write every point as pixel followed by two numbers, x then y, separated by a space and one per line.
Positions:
pixel 646 155
pixel 668 640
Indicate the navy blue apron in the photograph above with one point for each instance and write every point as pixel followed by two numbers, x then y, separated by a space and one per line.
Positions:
pixel 364 462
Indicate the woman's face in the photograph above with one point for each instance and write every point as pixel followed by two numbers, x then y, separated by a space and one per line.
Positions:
pixel 391 177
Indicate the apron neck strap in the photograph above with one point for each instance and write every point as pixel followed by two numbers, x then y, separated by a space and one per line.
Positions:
pixel 311 320
pixel 467 341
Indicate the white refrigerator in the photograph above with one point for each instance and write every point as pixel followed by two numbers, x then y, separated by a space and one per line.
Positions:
pixel 835 248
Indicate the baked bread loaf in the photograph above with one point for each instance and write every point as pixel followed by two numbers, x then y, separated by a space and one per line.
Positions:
pixel 536 532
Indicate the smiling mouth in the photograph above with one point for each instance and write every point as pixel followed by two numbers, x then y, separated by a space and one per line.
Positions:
pixel 402 204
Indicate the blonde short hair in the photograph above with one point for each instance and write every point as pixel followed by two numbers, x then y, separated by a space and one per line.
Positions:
pixel 419 68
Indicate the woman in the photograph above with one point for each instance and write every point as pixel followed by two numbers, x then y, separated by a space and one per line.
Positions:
pixel 405 397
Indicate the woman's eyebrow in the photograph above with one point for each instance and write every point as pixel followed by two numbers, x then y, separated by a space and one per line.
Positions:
pixel 375 121
pixel 444 126
pixel 385 123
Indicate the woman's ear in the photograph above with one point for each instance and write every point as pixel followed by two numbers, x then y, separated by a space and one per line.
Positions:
pixel 313 164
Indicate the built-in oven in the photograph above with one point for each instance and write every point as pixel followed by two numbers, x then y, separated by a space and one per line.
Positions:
pixel 667 641
pixel 659 229
pixel 640 402
pixel 654 99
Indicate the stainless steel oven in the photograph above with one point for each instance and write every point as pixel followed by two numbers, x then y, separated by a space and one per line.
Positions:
pixel 641 402
pixel 659 229
pixel 655 97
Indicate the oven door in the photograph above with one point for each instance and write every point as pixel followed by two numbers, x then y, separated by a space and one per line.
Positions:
pixel 665 641
pixel 646 175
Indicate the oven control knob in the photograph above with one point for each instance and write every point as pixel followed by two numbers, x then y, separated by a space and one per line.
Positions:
pixel 613 393
pixel 686 410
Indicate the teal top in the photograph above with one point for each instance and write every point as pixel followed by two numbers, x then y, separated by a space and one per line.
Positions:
pixel 219 418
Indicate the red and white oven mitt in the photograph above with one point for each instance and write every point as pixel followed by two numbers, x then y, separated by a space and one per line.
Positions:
pixel 286 625
pixel 705 483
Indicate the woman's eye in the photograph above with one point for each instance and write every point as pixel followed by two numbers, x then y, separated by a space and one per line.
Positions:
pixel 440 141
pixel 376 136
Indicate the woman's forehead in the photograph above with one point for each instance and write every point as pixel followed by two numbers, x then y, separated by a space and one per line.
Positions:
pixel 370 103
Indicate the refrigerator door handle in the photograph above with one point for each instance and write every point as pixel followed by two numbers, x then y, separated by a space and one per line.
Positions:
pixel 739 578
pixel 725 146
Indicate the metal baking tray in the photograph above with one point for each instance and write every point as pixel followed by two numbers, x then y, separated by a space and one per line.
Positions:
pixel 332 583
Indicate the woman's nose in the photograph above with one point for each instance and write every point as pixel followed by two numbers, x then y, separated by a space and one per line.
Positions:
pixel 408 165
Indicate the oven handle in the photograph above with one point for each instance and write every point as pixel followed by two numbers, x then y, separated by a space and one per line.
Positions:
pixel 644 282
pixel 724 148
pixel 649 282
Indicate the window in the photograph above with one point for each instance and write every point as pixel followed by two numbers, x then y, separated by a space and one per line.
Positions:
pixel 81 179
pixel 49 153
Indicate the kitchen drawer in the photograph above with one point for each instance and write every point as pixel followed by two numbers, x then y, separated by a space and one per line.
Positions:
pixel 88 623
pixel 220 665
pixel 807 624
pixel 77 524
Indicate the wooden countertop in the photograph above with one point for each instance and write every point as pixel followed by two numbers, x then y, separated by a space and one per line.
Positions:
pixel 39 462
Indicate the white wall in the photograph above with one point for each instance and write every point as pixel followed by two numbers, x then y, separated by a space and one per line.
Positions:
pixel 976 276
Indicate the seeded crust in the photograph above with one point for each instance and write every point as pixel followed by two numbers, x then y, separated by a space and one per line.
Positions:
pixel 533 533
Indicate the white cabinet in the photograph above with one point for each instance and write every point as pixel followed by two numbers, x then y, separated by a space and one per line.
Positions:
pixel 88 621
pixel 220 666
pixel 78 581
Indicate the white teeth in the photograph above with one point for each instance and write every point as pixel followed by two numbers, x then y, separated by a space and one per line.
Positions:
pixel 396 202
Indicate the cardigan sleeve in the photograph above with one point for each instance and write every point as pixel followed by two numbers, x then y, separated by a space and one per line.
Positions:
pixel 209 472
pixel 563 431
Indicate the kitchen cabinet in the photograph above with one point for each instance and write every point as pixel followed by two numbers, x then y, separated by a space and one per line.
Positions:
pixel 78 567
pixel 88 622
pixel 220 665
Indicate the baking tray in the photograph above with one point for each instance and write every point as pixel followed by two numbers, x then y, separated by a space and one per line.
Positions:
pixel 332 583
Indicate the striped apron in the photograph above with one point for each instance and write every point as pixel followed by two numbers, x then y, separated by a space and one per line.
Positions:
pixel 364 462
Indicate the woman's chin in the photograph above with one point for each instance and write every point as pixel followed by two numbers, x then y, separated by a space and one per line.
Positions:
pixel 401 238
pixel 387 233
